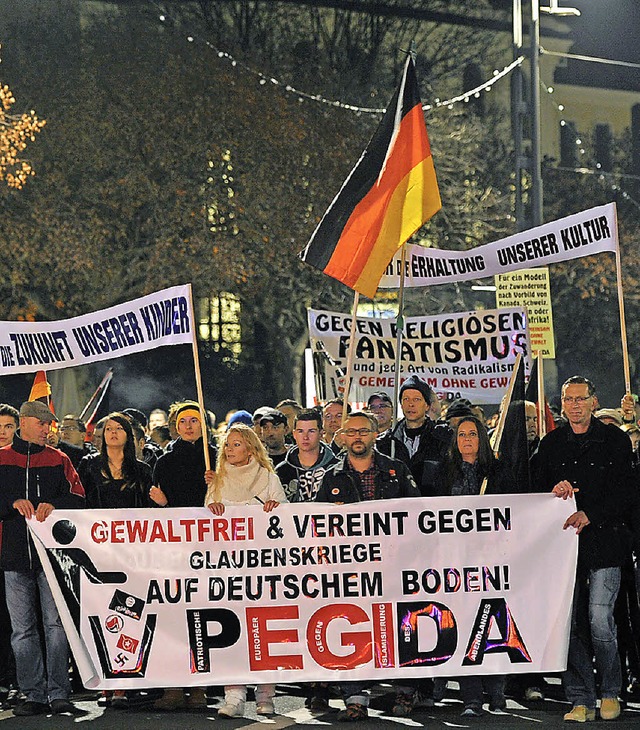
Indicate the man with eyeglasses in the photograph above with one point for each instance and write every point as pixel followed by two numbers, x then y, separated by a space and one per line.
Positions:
pixel 362 473
pixel 591 462
pixel 71 433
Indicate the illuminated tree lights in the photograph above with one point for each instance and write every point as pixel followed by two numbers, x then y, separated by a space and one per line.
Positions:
pixel 16 131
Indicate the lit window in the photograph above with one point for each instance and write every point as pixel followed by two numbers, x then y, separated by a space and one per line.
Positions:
pixel 219 324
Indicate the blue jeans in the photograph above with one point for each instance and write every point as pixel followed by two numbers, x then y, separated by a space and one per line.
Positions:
pixel 23 588
pixel 593 633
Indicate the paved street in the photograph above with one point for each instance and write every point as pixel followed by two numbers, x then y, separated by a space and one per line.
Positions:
pixel 291 712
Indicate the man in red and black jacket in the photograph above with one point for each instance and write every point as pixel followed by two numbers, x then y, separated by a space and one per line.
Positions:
pixel 35 479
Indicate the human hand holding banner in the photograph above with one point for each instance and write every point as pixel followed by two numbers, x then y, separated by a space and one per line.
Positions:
pixel 313 592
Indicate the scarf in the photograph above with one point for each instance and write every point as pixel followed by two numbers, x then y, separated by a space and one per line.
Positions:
pixel 470 481
pixel 242 483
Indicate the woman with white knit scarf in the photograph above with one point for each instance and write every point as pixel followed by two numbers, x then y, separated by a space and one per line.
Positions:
pixel 244 475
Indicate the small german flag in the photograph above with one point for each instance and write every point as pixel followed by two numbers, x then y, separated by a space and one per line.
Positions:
pixel 388 196
pixel 41 390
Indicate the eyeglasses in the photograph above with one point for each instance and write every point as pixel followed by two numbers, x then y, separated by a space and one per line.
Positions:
pixel 380 407
pixel 357 431
pixel 580 399
pixel 64 429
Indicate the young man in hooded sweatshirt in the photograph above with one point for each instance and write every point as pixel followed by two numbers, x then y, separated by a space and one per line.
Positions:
pixel 305 464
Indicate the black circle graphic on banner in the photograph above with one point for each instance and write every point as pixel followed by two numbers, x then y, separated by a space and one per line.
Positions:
pixel 64 532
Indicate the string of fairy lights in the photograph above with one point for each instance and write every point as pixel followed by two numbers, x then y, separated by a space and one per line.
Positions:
pixel 614 178
pixel 438 103
pixel 264 79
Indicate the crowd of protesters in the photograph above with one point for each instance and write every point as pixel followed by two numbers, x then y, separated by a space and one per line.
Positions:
pixel 330 453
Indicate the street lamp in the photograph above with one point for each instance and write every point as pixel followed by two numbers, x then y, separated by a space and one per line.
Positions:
pixel 518 105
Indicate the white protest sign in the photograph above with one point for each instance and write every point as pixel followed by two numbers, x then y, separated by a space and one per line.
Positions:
pixel 465 354
pixel 162 318
pixel 313 592
pixel 583 234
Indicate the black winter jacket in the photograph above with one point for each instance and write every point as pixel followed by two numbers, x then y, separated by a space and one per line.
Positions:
pixel 180 473
pixel 432 449
pixel 600 466
pixel 104 493
pixel 393 480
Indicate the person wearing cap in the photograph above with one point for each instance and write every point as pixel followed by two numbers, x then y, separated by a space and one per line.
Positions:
pixel 611 416
pixel 426 442
pixel 460 408
pixel 257 415
pixel 240 417
pixel 36 479
pixel 273 425
pixel 382 408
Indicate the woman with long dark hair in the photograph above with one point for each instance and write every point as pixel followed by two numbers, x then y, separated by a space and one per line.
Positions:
pixel 115 479
pixel 470 460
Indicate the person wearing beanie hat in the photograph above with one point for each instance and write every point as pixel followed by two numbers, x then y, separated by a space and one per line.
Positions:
pixel 413 382
pixel 425 441
pixel 460 408
pixel 178 476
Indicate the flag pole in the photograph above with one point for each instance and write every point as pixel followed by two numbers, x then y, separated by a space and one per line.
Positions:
pixel 101 384
pixel 400 318
pixel 623 326
pixel 399 337
pixel 350 351
pixel 506 401
pixel 542 406
pixel 196 365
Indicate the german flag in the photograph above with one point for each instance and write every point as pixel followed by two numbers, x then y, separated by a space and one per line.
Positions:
pixel 388 196
pixel 41 390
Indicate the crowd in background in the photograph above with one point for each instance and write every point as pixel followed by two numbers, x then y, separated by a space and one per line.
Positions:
pixel 340 454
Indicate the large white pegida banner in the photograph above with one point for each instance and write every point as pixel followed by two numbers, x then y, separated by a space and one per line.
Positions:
pixel 162 318
pixel 376 590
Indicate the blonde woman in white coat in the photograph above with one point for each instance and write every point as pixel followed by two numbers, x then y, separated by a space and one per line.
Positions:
pixel 244 475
